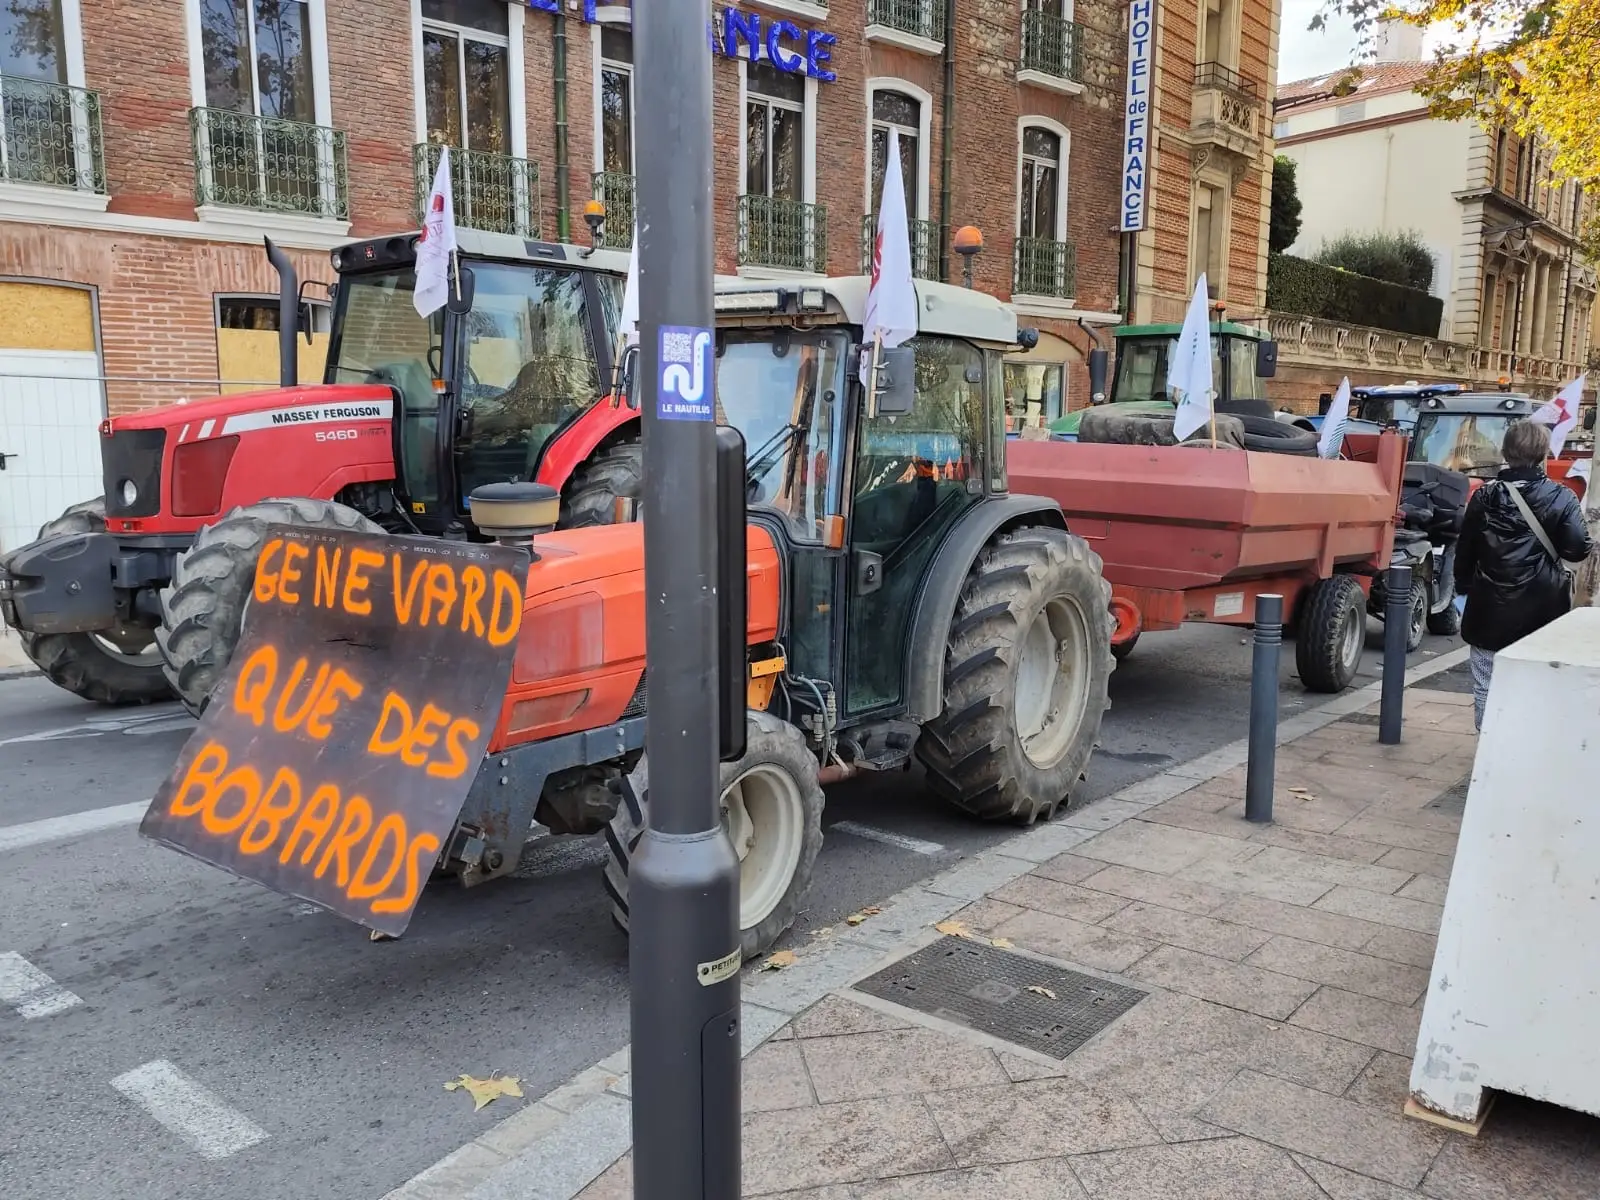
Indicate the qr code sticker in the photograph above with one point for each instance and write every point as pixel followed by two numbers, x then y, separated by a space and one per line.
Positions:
pixel 677 347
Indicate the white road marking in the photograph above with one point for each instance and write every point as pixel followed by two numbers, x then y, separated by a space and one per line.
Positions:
pixel 54 829
pixel 194 1113
pixel 140 725
pixel 873 834
pixel 30 991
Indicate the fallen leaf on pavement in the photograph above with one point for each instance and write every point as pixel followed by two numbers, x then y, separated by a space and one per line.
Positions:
pixel 823 932
pixel 486 1091
pixel 953 929
pixel 1001 943
pixel 856 918
pixel 1037 990
pixel 780 960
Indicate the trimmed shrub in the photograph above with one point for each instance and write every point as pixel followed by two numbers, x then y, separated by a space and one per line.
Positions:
pixel 1398 258
pixel 1284 224
pixel 1308 289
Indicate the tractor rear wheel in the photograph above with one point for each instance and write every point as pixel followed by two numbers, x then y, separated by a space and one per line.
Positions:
pixel 772 810
pixel 1330 634
pixel 202 610
pixel 113 666
pixel 615 473
pixel 1026 673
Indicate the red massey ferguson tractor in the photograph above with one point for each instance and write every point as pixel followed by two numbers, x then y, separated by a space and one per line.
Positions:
pixel 139 595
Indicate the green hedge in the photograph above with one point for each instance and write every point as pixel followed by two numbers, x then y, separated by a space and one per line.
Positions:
pixel 1310 289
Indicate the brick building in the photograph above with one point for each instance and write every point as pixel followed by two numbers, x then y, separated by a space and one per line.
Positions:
pixel 1213 70
pixel 150 146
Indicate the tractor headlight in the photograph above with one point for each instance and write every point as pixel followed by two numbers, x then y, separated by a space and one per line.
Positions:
pixel 130 493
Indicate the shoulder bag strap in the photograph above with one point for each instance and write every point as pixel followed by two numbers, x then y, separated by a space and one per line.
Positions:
pixel 1533 523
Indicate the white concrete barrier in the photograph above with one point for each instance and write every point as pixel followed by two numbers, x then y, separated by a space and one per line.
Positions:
pixel 1514 1002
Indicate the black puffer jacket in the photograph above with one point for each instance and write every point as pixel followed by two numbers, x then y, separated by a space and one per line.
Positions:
pixel 1511 583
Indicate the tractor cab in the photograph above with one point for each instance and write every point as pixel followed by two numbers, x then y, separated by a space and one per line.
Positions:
pixel 521 353
pixel 863 486
pixel 1243 358
pixel 1464 431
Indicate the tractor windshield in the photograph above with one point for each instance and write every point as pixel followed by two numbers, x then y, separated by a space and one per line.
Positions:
pixel 783 391
pixel 1465 442
pixel 1142 367
pixel 379 338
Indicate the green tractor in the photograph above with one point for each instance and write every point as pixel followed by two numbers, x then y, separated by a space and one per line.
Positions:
pixel 1243 358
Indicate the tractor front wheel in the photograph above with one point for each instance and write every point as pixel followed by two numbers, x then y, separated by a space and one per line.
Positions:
pixel 1025 679
pixel 772 811
pixel 202 610
pixel 604 489
pixel 114 666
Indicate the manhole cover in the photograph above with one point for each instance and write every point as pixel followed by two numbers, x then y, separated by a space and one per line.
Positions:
pixel 1453 799
pixel 1457 679
pixel 1044 1008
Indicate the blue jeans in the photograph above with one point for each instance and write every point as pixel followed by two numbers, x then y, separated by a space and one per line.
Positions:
pixel 1482 662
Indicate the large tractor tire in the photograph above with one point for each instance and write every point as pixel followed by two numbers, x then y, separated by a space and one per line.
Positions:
pixel 113 666
pixel 772 810
pixel 615 473
pixel 202 610
pixel 1026 672
pixel 1331 633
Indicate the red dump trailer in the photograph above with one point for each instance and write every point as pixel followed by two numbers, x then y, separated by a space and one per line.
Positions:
pixel 1194 534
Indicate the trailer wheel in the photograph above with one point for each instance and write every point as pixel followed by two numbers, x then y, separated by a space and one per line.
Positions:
pixel 202 610
pixel 1120 651
pixel 1026 670
pixel 117 666
pixel 612 474
pixel 1332 631
pixel 772 810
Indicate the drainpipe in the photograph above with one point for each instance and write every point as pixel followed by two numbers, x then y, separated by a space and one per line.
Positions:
pixel 563 186
pixel 947 137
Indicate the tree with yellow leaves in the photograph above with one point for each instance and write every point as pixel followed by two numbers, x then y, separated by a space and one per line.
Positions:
pixel 1532 65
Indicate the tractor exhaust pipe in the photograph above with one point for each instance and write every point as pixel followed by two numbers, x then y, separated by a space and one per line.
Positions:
pixel 288 315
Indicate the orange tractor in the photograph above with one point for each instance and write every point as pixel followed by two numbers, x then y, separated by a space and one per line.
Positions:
pixel 901 603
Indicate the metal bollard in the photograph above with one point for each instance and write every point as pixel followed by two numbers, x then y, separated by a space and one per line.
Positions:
pixel 1396 623
pixel 1261 770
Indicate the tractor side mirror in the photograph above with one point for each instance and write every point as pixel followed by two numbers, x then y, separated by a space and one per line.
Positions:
pixel 628 376
pixel 1266 359
pixel 895 393
pixel 461 304
pixel 305 321
pixel 1097 376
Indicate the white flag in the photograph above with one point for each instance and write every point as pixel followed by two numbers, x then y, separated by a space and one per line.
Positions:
pixel 892 299
pixel 1334 422
pixel 1562 414
pixel 629 321
pixel 437 245
pixel 1189 372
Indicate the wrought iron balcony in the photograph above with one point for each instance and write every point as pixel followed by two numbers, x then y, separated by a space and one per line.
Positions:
pixel 787 234
pixel 270 165
pixel 1052 45
pixel 1226 108
pixel 50 135
pixel 493 192
pixel 919 18
pixel 926 237
pixel 1046 268
pixel 616 191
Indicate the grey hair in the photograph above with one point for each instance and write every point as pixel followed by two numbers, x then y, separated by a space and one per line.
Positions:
pixel 1527 444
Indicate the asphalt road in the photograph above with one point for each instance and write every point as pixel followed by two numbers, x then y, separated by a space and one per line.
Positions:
pixel 323 1055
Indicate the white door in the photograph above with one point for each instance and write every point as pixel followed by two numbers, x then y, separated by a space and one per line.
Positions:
pixel 51 405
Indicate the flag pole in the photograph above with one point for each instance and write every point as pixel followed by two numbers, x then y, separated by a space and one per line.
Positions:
pixel 455 271
pixel 872 376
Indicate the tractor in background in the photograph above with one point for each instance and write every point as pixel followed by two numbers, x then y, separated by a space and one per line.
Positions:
pixel 138 595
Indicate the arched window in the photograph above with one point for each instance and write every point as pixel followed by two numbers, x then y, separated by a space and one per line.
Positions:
pixel 903 114
pixel 1041 183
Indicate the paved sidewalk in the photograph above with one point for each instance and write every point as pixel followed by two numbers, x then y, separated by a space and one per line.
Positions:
pixel 1283 969
pixel 12 660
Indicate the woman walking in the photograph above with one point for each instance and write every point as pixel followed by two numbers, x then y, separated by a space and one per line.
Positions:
pixel 1509 560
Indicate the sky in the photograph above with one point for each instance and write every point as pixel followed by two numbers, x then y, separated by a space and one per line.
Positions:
pixel 1302 53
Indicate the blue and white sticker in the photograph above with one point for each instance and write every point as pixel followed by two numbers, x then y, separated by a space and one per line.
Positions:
pixel 687 374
